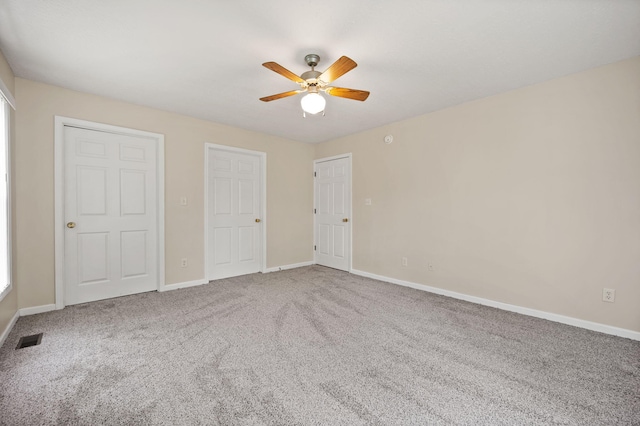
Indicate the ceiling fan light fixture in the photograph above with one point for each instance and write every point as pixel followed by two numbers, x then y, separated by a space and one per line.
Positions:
pixel 314 81
pixel 313 103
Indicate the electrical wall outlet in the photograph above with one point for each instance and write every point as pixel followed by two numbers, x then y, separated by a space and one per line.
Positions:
pixel 405 262
pixel 608 295
pixel 184 263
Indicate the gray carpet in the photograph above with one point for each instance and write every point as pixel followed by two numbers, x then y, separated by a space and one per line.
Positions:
pixel 311 346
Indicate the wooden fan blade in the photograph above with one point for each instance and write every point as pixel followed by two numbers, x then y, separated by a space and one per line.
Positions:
pixel 358 95
pixel 283 71
pixel 280 95
pixel 337 69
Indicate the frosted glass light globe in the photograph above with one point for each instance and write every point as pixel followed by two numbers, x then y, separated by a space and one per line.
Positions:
pixel 313 103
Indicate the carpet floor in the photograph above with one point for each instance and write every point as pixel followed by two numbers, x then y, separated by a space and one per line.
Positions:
pixel 311 346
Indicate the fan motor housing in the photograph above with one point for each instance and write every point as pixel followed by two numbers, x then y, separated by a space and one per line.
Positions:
pixel 310 75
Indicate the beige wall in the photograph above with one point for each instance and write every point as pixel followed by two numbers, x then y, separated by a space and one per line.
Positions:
pixel 9 305
pixel 531 197
pixel 289 184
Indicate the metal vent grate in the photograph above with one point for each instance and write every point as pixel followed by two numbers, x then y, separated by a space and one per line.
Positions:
pixel 26 341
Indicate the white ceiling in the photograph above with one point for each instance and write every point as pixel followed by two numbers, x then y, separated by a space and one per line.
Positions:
pixel 203 58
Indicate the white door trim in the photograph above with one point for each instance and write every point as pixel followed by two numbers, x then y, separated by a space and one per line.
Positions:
pixel 263 200
pixel 59 217
pixel 349 157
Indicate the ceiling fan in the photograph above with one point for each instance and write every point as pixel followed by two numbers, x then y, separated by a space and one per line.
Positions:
pixel 314 82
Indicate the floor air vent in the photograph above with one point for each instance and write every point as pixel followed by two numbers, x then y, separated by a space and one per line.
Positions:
pixel 26 341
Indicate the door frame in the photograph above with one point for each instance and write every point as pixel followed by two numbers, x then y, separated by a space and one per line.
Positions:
pixel 349 158
pixel 59 193
pixel 262 156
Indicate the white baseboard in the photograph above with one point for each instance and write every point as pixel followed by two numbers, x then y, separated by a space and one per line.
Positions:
pixel 292 266
pixel 594 326
pixel 8 328
pixel 185 284
pixel 37 310
pixel 202 281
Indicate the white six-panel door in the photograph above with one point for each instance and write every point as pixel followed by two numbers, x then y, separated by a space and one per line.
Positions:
pixel 234 210
pixel 333 213
pixel 111 215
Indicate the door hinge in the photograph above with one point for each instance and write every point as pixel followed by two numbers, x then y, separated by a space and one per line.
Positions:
pixel 314 211
pixel 314 174
pixel 314 248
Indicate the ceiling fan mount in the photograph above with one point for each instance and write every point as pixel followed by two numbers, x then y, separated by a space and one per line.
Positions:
pixel 312 60
pixel 314 81
pixel 311 77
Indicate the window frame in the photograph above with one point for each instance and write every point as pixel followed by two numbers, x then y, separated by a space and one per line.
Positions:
pixel 6 117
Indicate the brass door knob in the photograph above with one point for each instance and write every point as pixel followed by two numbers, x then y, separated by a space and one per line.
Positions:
pixel 71 225
pixel 257 220
pixel 345 220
